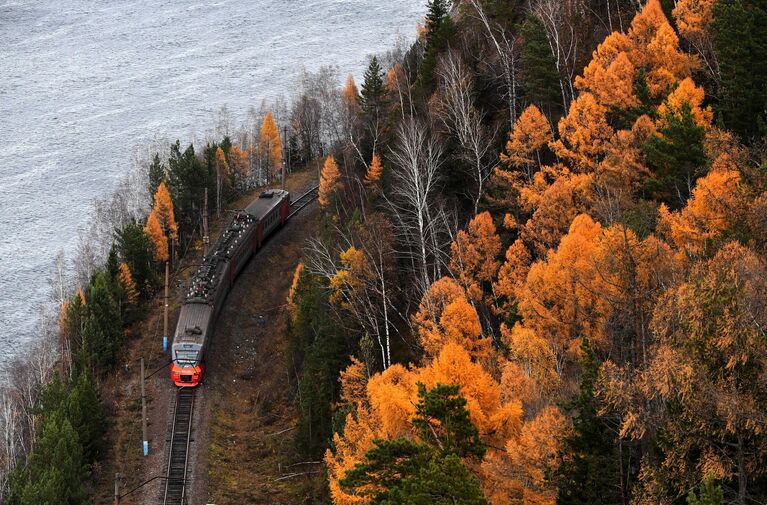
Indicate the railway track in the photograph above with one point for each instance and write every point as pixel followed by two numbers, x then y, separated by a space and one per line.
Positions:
pixel 303 200
pixel 178 456
pixel 181 434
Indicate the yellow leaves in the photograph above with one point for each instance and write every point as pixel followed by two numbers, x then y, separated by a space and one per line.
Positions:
pixel 293 286
pixel 395 78
pixel 154 230
pixel 375 171
pixel 238 161
pixel 534 358
pixel 713 208
pixel 163 210
pixel 535 453
pixel 129 286
pixel 271 145
pixel 446 316
pixel 511 276
pixel 687 92
pixel 354 380
pixel 531 132
pixel 474 253
pixel 583 133
pixel 353 273
pixel 330 181
pixel 693 18
pixel 610 80
pixel 350 91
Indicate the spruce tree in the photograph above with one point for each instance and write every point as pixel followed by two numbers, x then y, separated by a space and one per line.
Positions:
pixel 86 414
pixel 540 78
pixel 103 329
pixel 440 31
pixel 373 88
pixel 157 174
pixel 589 469
pixel 677 157
pixel 710 493
pixel 135 249
pixel 402 471
pixel 740 43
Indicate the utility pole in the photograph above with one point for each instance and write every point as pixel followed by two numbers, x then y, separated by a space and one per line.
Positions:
pixel 117 489
pixel 205 238
pixel 165 312
pixel 143 412
pixel 284 155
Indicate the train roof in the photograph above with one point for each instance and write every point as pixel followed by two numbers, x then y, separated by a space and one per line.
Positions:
pixel 207 279
pixel 265 202
pixel 193 323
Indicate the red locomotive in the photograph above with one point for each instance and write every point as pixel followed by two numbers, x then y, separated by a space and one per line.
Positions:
pixel 216 276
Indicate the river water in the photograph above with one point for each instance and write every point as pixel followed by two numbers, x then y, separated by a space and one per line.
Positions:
pixel 83 83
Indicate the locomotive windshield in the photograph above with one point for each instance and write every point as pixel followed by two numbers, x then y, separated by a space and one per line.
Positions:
pixel 186 357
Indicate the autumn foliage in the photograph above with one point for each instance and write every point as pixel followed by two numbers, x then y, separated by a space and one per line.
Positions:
pixel 330 181
pixel 609 338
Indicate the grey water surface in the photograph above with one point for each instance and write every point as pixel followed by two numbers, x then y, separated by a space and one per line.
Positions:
pixel 83 83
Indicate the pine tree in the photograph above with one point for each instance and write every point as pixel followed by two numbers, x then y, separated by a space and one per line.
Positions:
pixel 588 473
pixel 402 471
pixel 103 332
pixel 55 471
pixel 440 31
pixel 740 44
pixel 710 493
pixel 677 157
pixel 373 88
pixel 136 250
pixel 86 414
pixel 157 174
pixel 539 70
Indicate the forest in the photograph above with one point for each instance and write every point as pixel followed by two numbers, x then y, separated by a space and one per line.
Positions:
pixel 539 273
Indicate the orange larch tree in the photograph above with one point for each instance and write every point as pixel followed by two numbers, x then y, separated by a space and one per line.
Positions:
pixel 128 285
pixel 375 171
pixel 330 181
pixel 511 277
pixel 271 145
pixel 154 230
pixel 163 210
pixel 531 133
pixel 715 206
pixel 474 255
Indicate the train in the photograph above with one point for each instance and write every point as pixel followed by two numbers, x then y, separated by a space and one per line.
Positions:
pixel 214 278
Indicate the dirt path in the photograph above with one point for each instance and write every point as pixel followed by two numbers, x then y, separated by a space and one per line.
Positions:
pixel 245 379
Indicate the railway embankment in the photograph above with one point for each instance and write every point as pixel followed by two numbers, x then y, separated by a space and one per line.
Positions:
pixel 124 438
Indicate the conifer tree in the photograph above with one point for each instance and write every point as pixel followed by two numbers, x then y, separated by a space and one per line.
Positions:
pixel 373 88
pixel 157 174
pixel 163 209
pixel 539 70
pixel 330 181
pixel 428 472
pixel 440 30
pixel 588 472
pixel 102 335
pixel 710 493
pixel 136 250
pixel 154 231
pixel 677 156
pixel 375 171
pixel 128 285
pixel 740 44
pixel 271 145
